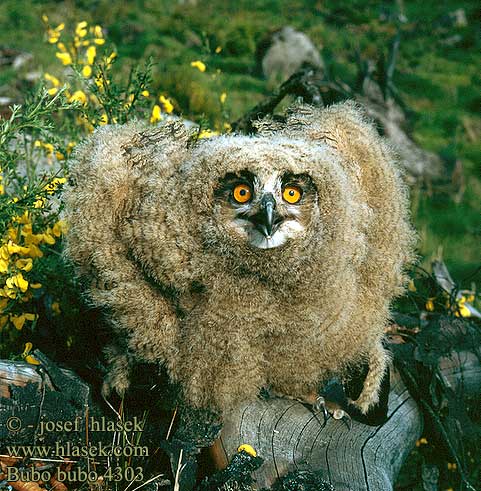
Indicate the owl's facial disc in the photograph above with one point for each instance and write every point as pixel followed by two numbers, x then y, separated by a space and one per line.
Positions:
pixel 267 212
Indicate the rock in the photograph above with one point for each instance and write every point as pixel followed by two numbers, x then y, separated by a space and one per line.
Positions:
pixel 458 18
pixel 6 101
pixel 282 52
pixel 13 57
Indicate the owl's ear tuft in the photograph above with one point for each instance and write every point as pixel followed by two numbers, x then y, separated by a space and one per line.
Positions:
pixel 344 126
pixel 268 126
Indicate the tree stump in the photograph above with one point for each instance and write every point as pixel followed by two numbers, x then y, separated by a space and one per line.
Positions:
pixel 290 437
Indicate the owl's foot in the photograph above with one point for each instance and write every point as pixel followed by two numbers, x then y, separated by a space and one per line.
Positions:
pixel 330 408
pixel 117 380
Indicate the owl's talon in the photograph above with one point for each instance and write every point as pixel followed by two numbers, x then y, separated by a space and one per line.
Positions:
pixel 342 415
pixel 319 406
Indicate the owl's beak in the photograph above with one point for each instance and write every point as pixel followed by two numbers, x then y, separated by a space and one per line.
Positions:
pixel 266 220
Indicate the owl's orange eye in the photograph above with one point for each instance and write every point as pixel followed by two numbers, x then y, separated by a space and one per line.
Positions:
pixel 242 193
pixel 292 194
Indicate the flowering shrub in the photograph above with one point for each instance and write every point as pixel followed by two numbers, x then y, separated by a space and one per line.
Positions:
pixel 36 142
pixel 29 207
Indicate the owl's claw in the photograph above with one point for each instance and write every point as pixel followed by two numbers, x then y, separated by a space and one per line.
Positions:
pixel 329 408
pixel 341 414
pixel 320 405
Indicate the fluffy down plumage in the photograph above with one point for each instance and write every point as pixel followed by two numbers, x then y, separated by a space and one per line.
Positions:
pixel 181 289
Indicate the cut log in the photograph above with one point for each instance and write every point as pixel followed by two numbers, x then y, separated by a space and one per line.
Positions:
pixel 290 437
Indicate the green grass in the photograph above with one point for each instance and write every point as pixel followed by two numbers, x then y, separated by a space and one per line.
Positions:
pixel 437 82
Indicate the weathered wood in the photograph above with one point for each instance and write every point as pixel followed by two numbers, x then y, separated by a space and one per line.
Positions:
pixel 32 394
pixel 284 432
pixel 289 437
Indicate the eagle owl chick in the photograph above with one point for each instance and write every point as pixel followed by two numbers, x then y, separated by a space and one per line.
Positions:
pixel 240 262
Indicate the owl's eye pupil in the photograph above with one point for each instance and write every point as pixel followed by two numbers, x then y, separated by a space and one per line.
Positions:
pixel 242 192
pixel 292 192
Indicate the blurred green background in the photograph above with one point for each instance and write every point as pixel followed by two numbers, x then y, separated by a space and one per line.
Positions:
pixel 437 75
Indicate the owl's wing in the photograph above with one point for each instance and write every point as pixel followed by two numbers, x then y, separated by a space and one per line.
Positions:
pixel 106 184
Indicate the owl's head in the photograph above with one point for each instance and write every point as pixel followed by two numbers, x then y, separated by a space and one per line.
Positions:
pixel 264 196
pixel 266 208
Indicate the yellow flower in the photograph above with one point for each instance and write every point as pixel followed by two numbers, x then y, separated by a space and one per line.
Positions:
pixel 59 228
pixel 87 71
pixel 54 80
pixel 54 34
pixel 23 219
pixel 156 114
pixel 48 147
pixel 91 54
pixel 452 466
pixel 16 249
pixel 145 93
pixel 110 59
pixel 218 49
pixel 17 281
pixel 32 360
pixel 34 251
pixel 26 352
pixel 430 305
pixel 8 292
pixel 99 41
pixel 199 65
pixel 207 134
pixel 52 186
pixel 48 238
pixel 12 234
pixel 97 31
pixel 168 106
pixel 79 96
pixel 462 311
pixel 248 449
pixel 56 308
pixel 35 286
pixel 104 119
pixel 19 320
pixel 70 146
pixel 65 58
pixel 421 441
pixel 62 47
pixel 25 264
pixel 223 97
pixel 130 99
pixel 52 91
pixel 4 254
pixel 3 266
pixel 81 29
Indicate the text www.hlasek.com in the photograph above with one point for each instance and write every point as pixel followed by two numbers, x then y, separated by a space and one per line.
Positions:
pixel 63 450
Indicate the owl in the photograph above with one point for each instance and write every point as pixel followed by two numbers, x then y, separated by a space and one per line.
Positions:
pixel 243 262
